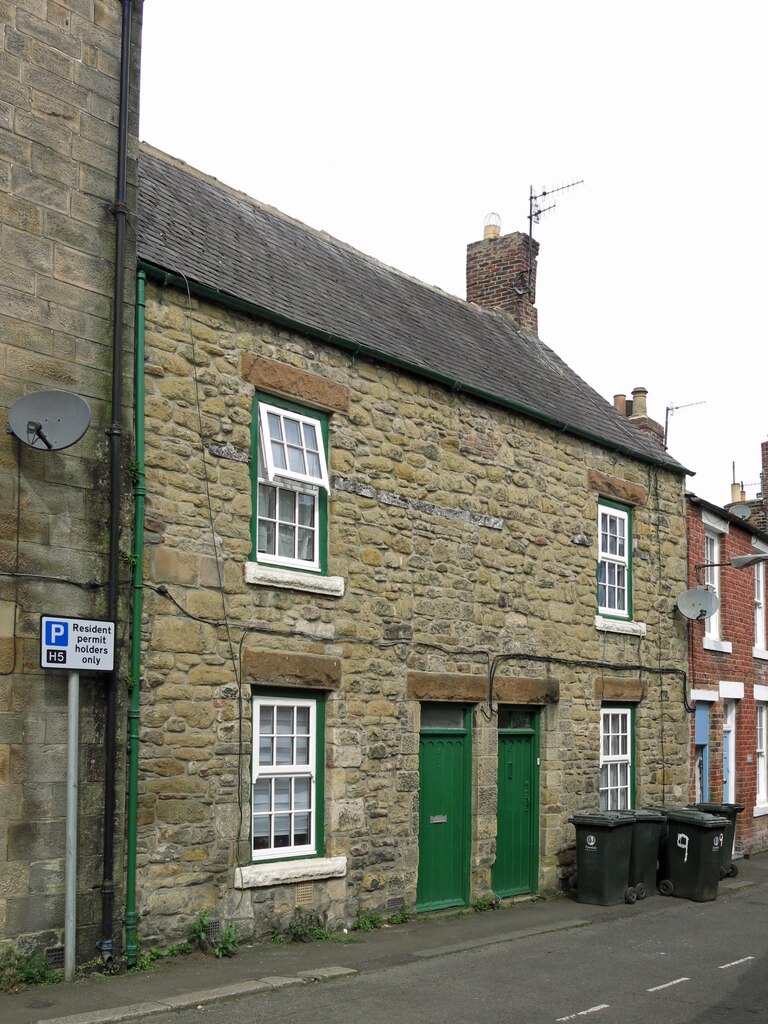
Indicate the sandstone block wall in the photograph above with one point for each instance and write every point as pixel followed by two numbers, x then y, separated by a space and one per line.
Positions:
pixel 462 531
pixel 59 84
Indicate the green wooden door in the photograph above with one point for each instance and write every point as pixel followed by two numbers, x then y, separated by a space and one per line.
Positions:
pixel 515 870
pixel 444 808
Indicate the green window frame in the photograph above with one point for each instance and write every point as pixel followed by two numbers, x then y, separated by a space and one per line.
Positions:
pixel 614 563
pixel 287 777
pixel 617 757
pixel 289 484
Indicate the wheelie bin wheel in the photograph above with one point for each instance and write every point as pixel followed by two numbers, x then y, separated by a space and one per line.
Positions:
pixel 640 891
pixel 723 873
pixel 665 887
pixel 630 895
pixel 733 871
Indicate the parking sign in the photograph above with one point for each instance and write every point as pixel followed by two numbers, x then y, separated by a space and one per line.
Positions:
pixel 77 644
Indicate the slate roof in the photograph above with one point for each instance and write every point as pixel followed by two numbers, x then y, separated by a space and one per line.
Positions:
pixel 192 225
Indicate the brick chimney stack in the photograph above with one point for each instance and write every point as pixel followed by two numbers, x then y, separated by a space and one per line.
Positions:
pixel 498 274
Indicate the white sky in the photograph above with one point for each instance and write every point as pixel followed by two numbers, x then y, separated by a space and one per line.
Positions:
pixel 398 126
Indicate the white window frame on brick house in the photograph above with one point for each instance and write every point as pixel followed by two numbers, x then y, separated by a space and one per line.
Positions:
pixel 759 650
pixel 614 566
pixel 616 761
pixel 715 528
pixel 761 760
pixel 287 780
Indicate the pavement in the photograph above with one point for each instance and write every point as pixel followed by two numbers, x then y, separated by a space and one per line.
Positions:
pixel 197 980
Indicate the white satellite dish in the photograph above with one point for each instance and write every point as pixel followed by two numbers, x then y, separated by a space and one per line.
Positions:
pixel 49 420
pixel 698 604
pixel 740 509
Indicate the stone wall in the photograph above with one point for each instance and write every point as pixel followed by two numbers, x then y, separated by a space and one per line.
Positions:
pixel 462 531
pixel 59 86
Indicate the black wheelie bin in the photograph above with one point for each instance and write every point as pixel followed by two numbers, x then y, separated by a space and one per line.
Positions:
pixel 603 847
pixel 691 855
pixel 647 834
pixel 729 811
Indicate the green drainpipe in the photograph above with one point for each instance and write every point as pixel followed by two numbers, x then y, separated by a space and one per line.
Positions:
pixel 139 491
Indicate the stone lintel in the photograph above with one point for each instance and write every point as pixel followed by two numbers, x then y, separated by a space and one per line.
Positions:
pixel 298 385
pixel 279 668
pixel 473 689
pixel 617 489
pixel 629 691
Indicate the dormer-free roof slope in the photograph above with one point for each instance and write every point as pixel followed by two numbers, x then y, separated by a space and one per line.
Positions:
pixel 192 225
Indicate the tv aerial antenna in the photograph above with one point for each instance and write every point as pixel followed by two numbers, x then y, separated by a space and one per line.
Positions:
pixel 536 210
pixel 670 412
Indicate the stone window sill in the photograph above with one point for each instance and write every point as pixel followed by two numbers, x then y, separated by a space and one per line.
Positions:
pixel 721 646
pixel 620 626
pixel 314 869
pixel 761 653
pixel 262 576
pixel 760 810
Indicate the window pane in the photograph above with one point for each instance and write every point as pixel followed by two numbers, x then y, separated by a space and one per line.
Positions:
pixel 301 794
pixel 262 796
pixel 284 750
pixel 306 545
pixel 296 461
pixel 310 437
pixel 284 721
pixel 267 501
pixel 261 834
pixel 278 455
pixel 266 538
pixel 286 539
pixel 442 716
pixel 282 794
pixel 302 720
pixel 275 427
pixel 287 505
pixel 301 830
pixel 302 750
pixel 306 509
pixel 313 465
pixel 292 431
pixel 265 750
pixel 266 718
pixel 282 830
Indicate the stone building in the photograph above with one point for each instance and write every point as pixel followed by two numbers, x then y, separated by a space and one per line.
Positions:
pixel 402 583
pixel 68 96
pixel 729 668
pixel 409 582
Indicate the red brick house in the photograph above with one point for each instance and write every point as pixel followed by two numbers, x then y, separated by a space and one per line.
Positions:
pixel 729 668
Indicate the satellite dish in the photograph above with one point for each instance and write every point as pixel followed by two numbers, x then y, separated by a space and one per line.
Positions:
pixel 740 509
pixel 699 603
pixel 50 420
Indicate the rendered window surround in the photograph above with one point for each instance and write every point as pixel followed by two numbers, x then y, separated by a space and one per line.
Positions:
pixel 288 759
pixel 614 560
pixel 290 486
pixel 616 758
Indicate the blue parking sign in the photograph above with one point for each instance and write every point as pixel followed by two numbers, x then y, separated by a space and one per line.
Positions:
pixel 56 633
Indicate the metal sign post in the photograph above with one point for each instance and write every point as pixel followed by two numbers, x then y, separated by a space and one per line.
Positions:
pixel 74 644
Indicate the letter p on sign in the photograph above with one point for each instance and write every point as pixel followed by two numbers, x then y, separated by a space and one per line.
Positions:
pixel 56 634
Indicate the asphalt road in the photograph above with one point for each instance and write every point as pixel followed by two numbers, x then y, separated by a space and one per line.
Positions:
pixel 702 963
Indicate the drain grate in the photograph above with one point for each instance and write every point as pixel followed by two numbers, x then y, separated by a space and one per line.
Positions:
pixel 305 894
pixel 396 903
pixel 54 958
pixel 213 931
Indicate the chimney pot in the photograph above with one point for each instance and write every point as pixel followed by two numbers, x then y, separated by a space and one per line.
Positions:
pixel 639 407
pixel 491 226
pixel 620 404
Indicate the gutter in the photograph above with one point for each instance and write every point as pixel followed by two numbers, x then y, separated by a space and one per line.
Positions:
pixel 166 277
pixel 134 714
pixel 114 432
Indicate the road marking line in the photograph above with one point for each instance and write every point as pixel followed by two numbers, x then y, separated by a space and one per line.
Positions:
pixel 669 984
pixel 735 963
pixel 583 1013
